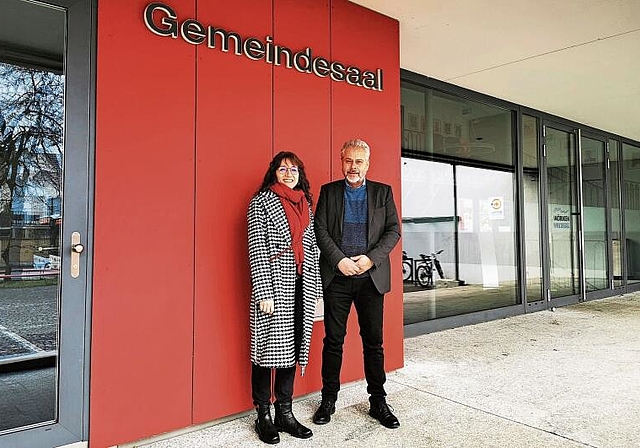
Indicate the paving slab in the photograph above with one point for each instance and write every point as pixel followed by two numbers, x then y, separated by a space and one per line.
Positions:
pixel 569 378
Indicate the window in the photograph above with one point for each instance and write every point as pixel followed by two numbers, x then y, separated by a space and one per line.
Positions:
pixel 631 164
pixel 459 227
pixel 446 126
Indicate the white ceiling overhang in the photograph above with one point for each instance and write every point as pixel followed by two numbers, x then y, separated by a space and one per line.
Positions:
pixel 578 59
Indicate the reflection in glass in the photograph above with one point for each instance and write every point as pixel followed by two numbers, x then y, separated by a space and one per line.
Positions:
pixel 563 213
pixel 451 127
pixel 616 228
pixel 31 157
pixel 481 274
pixel 631 160
pixel 594 214
pixel 487 244
pixel 531 185
pixel 428 227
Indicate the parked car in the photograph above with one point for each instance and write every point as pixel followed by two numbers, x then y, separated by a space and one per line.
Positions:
pixel 50 262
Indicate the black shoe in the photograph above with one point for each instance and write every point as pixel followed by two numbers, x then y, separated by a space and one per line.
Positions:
pixel 267 432
pixel 380 411
pixel 286 422
pixel 323 414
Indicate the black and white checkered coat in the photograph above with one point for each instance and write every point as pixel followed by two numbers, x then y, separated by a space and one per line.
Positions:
pixel 273 276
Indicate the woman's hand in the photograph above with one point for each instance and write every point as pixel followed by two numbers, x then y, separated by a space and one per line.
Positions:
pixel 266 306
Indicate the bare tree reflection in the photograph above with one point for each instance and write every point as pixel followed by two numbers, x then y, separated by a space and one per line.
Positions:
pixel 31 151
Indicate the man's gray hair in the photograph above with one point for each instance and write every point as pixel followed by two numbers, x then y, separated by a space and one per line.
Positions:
pixel 356 143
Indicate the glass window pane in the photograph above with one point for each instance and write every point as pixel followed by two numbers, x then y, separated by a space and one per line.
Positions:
pixel 31 159
pixel 596 271
pixel 531 185
pixel 486 238
pixel 448 126
pixel 631 160
pixel 616 223
pixel 563 213
pixel 440 282
pixel 413 118
pixel 428 229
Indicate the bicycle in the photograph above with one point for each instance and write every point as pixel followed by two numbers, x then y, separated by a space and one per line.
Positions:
pixel 407 267
pixel 424 270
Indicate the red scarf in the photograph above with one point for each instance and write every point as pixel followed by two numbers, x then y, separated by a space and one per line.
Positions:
pixel 296 208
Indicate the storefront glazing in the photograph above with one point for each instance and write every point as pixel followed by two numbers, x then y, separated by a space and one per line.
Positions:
pixel 508 210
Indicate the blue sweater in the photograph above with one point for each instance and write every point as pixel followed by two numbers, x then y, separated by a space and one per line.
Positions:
pixel 354 225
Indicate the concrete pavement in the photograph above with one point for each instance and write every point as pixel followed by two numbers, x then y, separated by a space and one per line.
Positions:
pixel 569 378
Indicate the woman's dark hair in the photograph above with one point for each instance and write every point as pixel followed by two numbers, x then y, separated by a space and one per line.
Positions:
pixel 270 176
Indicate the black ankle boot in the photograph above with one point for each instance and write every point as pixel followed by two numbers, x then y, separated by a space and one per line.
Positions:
pixel 286 422
pixel 380 410
pixel 267 432
pixel 322 415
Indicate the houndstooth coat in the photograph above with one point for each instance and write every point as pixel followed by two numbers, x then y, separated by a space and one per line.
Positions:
pixel 273 276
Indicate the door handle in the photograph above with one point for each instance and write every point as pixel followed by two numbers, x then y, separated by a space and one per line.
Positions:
pixel 76 250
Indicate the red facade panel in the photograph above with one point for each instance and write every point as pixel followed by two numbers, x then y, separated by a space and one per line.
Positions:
pixel 184 135
pixel 302 101
pixel 302 119
pixel 233 147
pixel 142 326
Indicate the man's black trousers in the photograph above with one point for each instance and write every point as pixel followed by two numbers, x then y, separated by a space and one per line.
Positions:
pixel 341 293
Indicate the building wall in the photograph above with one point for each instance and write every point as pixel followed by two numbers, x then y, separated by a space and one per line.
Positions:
pixel 184 135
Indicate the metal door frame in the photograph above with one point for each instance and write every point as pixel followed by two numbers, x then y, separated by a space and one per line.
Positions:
pixel 574 298
pixel 606 292
pixel 75 310
pixel 534 305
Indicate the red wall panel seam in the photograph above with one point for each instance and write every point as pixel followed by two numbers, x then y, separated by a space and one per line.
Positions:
pixel 330 95
pixel 195 221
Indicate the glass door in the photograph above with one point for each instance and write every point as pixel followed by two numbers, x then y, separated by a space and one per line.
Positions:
pixel 44 184
pixel 631 194
pixel 533 227
pixel 596 260
pixel 563 242
pixel 614 201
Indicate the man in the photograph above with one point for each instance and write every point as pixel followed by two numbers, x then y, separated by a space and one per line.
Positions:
pixel 356 227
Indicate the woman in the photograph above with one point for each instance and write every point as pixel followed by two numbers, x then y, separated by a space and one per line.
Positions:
pixel 286 285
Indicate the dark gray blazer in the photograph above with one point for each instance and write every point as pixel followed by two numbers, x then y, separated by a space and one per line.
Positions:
pixel 383 230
